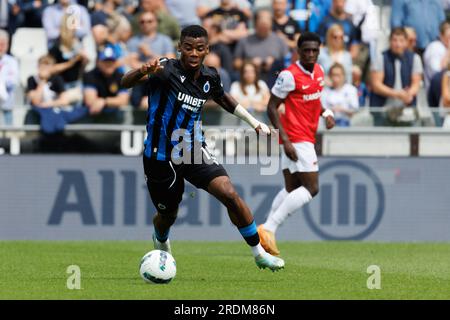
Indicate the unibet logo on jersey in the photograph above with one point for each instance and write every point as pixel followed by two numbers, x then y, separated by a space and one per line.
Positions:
pixel 189 102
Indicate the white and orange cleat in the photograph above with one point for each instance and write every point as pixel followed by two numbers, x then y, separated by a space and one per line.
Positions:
pixel 267 240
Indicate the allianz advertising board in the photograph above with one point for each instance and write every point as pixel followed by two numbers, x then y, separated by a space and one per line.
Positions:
pixel 74 197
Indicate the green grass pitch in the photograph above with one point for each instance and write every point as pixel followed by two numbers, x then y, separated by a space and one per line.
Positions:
pixel 226 270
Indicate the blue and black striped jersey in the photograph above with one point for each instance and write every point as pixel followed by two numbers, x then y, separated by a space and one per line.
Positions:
pixel 175 101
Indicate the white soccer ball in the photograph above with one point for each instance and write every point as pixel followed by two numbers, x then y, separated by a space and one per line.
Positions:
pixel 158 266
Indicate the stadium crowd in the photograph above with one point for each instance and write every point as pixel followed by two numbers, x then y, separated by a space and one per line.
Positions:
pixel 251 41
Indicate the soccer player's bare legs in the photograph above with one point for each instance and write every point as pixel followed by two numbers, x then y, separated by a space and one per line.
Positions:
pixel 238 211
pixel 309 180
pixel 300 188
pixel 222 188
pixel 162 224
pixel 291 181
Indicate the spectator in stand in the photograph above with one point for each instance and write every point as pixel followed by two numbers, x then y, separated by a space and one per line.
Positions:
pixel 100 32
pixel 286 27
pixel 52 18
pixel 412 39
pixel 446 7
pixel 9 79
pixel 50 102
pixel 366 20
pixel 217 46
pixel 340 97
pixel 32 12
pixel 104 9
pixel 70 59
pixel 114 35
pixel 396 75
pixel 103 95
pixel 437 54
pixel 337 15
pixel 123 30
pixel 424 16
pixel 205 6
pixel 363 92
pixel 213 60
pixel 434 93
pixel 309 13
pixel 185 11
pixel 231 20
pixel 335 52
pixel 149 44
pixel 167 24
pixel 11 16
pixel 434 96
pixel 126 8
pixel 46 89
pixel 444 112
pixel 264 48
pixel 116 29
pixel 251 92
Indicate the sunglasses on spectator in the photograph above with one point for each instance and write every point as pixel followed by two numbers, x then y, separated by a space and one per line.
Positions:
pixel 146 21
pixel 338 36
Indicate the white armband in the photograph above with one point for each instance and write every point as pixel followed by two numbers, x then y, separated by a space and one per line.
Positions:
pixel 243 114
pixel 327 113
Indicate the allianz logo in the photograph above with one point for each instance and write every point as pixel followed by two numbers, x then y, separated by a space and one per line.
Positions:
pixel 350 204
pixel 117 198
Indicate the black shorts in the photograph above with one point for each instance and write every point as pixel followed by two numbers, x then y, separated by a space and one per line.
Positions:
pixel 165 180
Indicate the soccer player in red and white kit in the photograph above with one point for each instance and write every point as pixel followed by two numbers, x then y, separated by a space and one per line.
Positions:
pixel 299 87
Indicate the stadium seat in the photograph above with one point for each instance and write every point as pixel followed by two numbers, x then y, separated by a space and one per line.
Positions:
pixel 27 45
pixel 20 109
pixel 27 68
pixel 29 42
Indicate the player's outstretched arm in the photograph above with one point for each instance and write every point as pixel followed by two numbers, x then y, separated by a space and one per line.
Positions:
pixel 140 75
pixel 232 106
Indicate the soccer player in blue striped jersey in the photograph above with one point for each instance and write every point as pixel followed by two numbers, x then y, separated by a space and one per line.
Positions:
pixel 175 147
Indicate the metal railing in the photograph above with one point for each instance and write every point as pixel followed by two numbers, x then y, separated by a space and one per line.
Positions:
pixel 336 130
pixel 128 140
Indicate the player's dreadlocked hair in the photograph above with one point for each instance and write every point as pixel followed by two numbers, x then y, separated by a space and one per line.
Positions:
pixel 193 31
pixel 308 36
